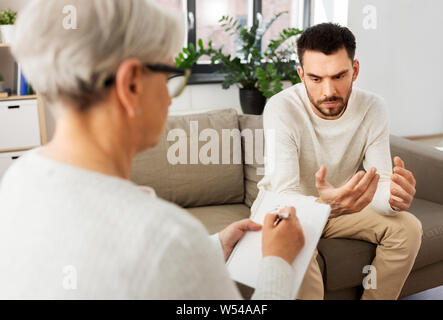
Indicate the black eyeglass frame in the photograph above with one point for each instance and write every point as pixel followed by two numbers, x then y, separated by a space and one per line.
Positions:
pixel 176 72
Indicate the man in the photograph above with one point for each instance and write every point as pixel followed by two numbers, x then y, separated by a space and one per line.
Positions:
pixel 322 130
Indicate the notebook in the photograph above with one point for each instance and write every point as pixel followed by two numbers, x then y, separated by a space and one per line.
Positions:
pixel 243 264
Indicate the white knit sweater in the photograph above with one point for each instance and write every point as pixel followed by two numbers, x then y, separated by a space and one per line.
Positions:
pixel 69 233
pixel 304 141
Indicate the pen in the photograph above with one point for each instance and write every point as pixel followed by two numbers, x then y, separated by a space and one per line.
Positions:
pixel 281 216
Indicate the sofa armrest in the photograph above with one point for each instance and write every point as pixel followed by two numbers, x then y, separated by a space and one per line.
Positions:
pixel 427 165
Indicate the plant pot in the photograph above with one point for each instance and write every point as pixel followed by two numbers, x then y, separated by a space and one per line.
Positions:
pixel 7 33
pixel 252 101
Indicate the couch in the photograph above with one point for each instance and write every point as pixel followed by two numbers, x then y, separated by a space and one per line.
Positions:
pixel 222 191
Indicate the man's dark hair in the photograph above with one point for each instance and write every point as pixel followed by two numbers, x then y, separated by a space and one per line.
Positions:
pixel 327 38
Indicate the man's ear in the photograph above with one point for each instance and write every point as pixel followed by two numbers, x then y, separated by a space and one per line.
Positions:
pixel 356 68
pixel 128 85
pixel 301 73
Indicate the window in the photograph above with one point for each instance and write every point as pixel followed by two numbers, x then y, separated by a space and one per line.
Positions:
pixel 175 4
pixel 330 11
pixel 204 15
pixel 294 17
pixel 208 14
pixel 178 5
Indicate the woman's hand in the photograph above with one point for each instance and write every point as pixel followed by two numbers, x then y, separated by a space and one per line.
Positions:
pixel 283 238
pixel 234 232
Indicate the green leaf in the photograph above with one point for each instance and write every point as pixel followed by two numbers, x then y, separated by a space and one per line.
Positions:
pixel 249 67
pixel 200 44
pixel 7 17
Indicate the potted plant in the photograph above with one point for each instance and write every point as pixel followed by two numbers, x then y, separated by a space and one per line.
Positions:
pixel 7 20
pixel 259 74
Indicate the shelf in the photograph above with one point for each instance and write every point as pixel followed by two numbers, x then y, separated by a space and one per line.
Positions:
pixel 4 45
pixel 19 149
pixel 10 98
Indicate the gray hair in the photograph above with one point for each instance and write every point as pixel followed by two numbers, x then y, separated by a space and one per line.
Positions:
pixel 69 63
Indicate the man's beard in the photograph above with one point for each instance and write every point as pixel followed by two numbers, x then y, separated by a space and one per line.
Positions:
pixel 342 103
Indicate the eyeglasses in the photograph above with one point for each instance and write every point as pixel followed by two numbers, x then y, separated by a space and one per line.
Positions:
pixel 177 78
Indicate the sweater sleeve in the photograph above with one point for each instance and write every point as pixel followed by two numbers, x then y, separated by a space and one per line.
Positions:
pixel 275 281
pixel 215 238
pixel 281 154
pixel 378 155
pixel 191 267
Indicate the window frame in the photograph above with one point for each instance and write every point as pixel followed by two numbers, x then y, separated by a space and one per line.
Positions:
pixel 205 73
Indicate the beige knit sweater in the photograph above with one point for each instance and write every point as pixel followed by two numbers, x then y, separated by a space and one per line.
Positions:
pixel 298 142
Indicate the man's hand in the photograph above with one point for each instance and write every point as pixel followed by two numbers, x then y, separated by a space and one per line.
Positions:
pixel 353 197
pixel 234 232
pixel 402 187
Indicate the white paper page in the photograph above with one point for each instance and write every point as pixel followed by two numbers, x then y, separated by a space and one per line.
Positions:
pixel 243 264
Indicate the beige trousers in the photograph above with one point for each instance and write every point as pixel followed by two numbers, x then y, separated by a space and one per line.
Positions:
pixel 398 241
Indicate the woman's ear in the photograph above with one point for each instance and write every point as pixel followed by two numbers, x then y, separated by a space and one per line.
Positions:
pixel 129 86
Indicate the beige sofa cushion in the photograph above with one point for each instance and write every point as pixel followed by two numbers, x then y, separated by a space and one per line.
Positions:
pixel 216 218
pixel 427 165
pixel 193 185
pixel 253 171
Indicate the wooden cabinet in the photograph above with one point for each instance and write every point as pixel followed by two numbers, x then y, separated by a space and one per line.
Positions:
pixel 22 126
pixel 7 159
pixel 19 124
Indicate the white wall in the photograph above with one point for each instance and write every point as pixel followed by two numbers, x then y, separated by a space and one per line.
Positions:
pixel 198 98
pixel 12 4
pixel 402 60
pixel 6 61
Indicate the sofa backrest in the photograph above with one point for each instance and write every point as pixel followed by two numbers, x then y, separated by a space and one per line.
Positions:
pixel 253 154
pixel 191 183
pixel 427 165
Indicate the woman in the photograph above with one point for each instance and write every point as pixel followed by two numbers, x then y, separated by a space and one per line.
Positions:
pixel 72 224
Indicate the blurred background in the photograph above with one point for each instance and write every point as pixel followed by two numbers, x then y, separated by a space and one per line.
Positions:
pixel 399 46
pixel 398 41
